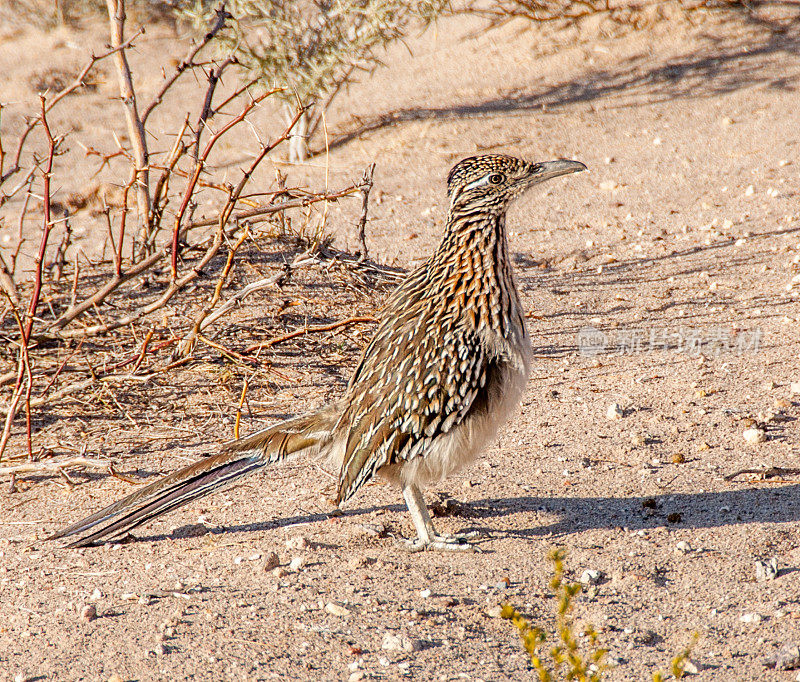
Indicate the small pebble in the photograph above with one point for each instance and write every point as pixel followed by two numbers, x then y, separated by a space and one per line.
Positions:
pixel 296 563
pixel 425 593
pixel 375 530
pixel 298 542
pixel 678 458
pixel 767 570
pixel 690 668
pixel 88 613
pixel 794 387
pixel 638 439
pixel 398 643
pixel 683 547
pixel 753 618
pixel 494 611
pixel 754 435
pixel 272 561
pixel 280 572
pixel 336 610
pixel 788 657
pixel 591 576
pixel 357 676
pixel 614 412
pixel 115 678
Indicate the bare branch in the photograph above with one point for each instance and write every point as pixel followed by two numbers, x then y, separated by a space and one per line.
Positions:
pixel 136 132
pixel 213 78
pixel 61 94
pixel 364 188
pixel 220 17
pixel 57 467
pixel 310 330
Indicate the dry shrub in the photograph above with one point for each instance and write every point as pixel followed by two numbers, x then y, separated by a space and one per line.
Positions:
pixel 313 47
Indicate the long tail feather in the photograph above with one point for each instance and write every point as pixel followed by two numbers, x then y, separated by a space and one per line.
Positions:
pixel 237 459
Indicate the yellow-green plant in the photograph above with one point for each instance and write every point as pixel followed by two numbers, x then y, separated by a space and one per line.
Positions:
pixel 564 660
pixel 678 664
pixel 565 652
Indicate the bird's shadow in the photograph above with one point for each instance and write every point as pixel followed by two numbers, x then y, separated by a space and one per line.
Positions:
pixel 577 514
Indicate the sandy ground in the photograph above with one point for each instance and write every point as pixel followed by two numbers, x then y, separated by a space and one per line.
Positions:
pixel 664 281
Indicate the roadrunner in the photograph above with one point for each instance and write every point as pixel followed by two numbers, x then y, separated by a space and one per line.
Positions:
pixel 446 366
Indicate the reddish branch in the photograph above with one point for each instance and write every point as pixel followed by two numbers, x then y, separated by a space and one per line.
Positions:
pixel 188 61
pixel 46 227
pixel 310 330
pixel 61 94
pixel 190 187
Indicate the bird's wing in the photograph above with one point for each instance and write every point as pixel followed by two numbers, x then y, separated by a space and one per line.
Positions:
pixel 415 382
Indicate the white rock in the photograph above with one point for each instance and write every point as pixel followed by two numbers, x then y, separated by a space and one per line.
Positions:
pixel 298 542
pixel 753 618
pixel 683 547
pixel 296 563
pixel 754 435
pixel 690 668
pixel 614 412
pixel 767 570
pixel 591 576
pixel 336 610
pixel 425 593
pixel 794 387
pixel 399 643
pixel 357 676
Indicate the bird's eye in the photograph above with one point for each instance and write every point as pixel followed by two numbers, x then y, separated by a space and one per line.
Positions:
pixel 496 178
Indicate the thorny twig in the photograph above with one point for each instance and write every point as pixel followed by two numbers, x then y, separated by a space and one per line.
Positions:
pixel 189 340
pixel 140 173
pixel 221 16
pixel 311 330
pixel 189 191
pixel 213 78
pixel 61 94
pixel 364 188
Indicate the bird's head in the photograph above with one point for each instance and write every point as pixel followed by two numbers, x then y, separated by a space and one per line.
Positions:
pixel 488 183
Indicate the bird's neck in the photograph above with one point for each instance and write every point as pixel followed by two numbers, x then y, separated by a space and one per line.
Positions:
pixel 472 263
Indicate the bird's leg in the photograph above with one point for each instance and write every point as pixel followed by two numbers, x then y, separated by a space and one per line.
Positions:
pixel 427 537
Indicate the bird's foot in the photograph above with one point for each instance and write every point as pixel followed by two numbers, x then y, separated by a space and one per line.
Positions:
pixel 458 542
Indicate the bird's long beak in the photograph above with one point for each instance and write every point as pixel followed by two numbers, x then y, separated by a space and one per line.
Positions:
pixel 552 169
